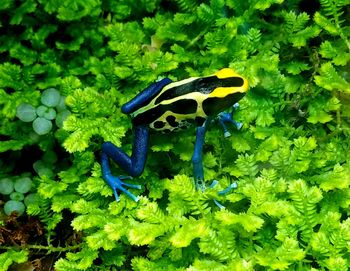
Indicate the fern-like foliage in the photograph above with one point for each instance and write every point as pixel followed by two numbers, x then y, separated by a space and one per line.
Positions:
pixel 12 256
pixel 330 79
pixel 305 200
pixel 186 5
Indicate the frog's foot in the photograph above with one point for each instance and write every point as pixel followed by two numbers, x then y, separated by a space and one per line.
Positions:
pixel 222 192
pixel 116 184
pixel 226 117
pixel 199 184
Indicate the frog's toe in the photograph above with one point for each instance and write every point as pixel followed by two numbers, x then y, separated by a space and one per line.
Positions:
pixel 235 106
pixel 223 192
pixel 219 204
pixel 226 117
pixel 200 184
pixel 226 190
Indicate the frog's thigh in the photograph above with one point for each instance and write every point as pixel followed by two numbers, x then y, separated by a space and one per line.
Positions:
pixel 134 164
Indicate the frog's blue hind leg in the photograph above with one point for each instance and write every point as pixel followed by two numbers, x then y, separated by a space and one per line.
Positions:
pixel 133 165
pixel 198 165
pixel 225 117
pixel 197 158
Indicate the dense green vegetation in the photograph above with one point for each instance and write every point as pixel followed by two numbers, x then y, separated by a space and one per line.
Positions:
pixel 79 61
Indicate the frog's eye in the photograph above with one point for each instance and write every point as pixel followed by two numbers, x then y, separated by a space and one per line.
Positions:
pixel 234 81
pixel 206 85
pixel 209 84
pixel 200 83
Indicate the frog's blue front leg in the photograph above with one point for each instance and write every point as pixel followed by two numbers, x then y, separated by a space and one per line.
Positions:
pixel 197 158
pixel 133 165
pixel 145 95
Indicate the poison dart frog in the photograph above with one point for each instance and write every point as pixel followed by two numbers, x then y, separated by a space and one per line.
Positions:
pixel 168 106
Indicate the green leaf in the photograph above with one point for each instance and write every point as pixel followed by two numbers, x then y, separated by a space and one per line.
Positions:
pixel 27 7
pixel 300 39
pixel 339 178
pixel 320 110
pixel 23 54
pixel 240 144
pixel 295 23
pixel 266 148
pixel 10 76
pixel 144 233
pixel 81 260
pixel 250 222
pixel 12 256
pixel 338 55
pixel 246 165
pixel 116 229
pixel 6 4
pixel 331 80
pixel 262 5
pixel 297 67
pixel 326 24
pixel 337 263
pixel 305 200
pixel 188 231
pixel 99 240
pixel 48 188
pixel 265 118
pixel 13 144
pixel 282 257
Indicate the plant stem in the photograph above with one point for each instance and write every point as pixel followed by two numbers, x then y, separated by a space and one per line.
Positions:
pixel 48 248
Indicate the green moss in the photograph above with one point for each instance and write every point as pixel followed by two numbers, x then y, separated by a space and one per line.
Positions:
pixel 290 160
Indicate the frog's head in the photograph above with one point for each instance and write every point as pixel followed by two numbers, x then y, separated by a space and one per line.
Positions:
pixel 227 88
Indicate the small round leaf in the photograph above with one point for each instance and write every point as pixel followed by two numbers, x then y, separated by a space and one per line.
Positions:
pixel 14 206
pixel 50 97
pixel 6 186
pixel 42 126
pixel 23 185
pixel 26 112
pixel 17 196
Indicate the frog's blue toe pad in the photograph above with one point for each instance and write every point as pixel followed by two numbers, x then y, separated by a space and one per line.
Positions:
pixel 219 204
pixel 200 185
pixel 228 189
pixel 238 125
pixel 225 117
pixel 222 192
pixel 116 184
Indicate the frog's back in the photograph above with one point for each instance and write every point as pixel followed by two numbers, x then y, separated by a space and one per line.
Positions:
pixel 174 107
pixel 191 101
